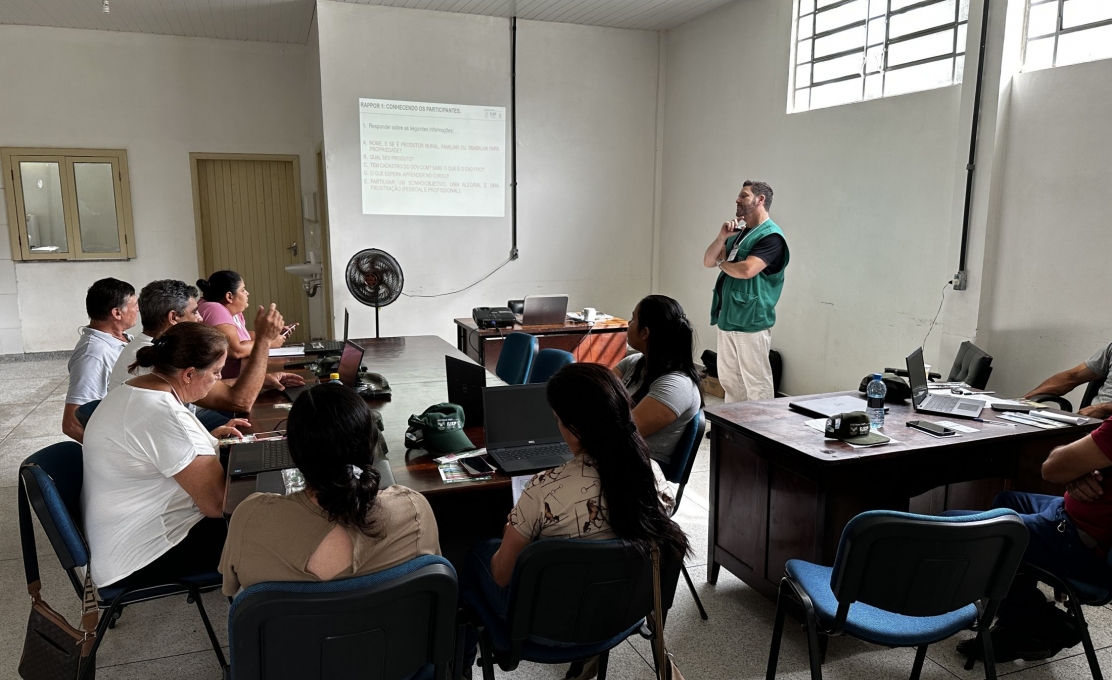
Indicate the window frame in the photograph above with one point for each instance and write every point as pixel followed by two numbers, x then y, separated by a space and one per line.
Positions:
pixel 957 52
pixel 1058 32
pixel 66 158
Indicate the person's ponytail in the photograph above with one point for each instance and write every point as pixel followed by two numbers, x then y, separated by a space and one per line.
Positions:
pixel 185 345
pixel 350 499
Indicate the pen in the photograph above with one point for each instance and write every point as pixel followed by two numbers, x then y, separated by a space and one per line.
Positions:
pixel 992 422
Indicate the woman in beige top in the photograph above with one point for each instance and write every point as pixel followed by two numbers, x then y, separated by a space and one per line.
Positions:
pixel 341 525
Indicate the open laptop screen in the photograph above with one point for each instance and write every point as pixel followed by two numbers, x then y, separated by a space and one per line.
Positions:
pixel 917 376
pixel 517 415
pixel 349 363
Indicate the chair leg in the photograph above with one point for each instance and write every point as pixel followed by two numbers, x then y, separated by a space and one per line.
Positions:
pixel 485 656
pixel 777 634
pixel 695 595
pixel 457 660
pixel 990 658
pixel 824 641
pixel 972 659
pixel 917 667
pixel 603 662
pixel 196 595
pixel 102 628
pixel 1086 639
pixel 813 650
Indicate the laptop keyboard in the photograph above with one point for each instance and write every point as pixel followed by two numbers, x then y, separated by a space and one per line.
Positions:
pixel 325 346
pixel 539 451
pixel 939 402
pixel 276 455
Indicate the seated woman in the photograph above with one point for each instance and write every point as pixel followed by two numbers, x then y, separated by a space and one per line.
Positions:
pixel 153 492
pixel 610 489
pixel 341 525
pixel 661 377
pixel 225 297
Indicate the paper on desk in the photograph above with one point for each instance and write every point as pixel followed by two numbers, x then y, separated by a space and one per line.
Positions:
pixel 1027 420
pixel 456 456
pixel 517 484
pixel 956 426
pixel 290 351
pixel 820 425
pixel 1063 418
pixel 453 472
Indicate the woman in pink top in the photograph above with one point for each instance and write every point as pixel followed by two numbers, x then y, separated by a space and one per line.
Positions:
pixel 225 299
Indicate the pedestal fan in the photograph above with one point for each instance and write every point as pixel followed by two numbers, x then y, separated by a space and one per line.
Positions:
pixel 374 278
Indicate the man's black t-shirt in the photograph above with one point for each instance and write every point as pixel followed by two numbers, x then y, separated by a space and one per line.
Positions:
pixel 770 249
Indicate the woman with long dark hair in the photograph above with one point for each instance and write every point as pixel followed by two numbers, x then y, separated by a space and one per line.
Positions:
pixel 661 376
pixel 342 524
pixel 224 299
pixel 610 489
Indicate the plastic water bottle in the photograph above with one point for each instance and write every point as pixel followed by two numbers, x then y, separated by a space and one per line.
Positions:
pixel 875 393
pixel 334 378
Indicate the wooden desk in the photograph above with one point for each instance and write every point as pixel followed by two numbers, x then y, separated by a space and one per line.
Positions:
pixel 605 343
pixel 779 490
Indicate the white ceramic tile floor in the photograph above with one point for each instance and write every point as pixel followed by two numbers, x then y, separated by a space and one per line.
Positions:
pixel 164 639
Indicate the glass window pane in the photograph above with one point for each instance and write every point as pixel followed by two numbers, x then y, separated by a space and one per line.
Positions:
pixel 824 3
pixel 1087 45
pixel 876 31
pixel 963 31
pixel 922 77
pixel 840 42
pixel 923 47
pixel 1042 20
pixel 96 207
pixel 963 10
pixel 42 202
pixel 874 60
pixel 803 52
pixel 873 85
pixel 802 100
pixel 836 68
pixel 836 93
pixel 938 14
pixel 878 8
pixel 805 26
pixel 959 69
pixel 1079 12
pixel 1040 54
pixel 806 7
pixel 841 16
pixel 900 4
pixel 803 75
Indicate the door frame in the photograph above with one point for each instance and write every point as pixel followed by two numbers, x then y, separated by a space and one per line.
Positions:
pixel 325 239
pixel 197 156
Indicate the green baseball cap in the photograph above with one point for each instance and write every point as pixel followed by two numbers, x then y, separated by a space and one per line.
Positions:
pixel 442 427
pixel 853 428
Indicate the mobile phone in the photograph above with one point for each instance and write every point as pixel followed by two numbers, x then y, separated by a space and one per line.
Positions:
pixel 286 333
pixel 933 429
pixel 267 436
pixel 476 466
pixel 1001 407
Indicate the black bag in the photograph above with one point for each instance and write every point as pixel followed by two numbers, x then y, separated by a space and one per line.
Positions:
pixel 898 389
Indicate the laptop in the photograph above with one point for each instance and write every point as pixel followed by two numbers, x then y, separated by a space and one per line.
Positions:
pixel 350 361
pixel 256 457
pixel 521 431
pixel 828 406
pixel 541 310
pixel 328 346
pixel 466 381
pixel 942 404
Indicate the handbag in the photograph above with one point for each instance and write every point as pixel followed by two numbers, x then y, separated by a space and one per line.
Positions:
pixel 53 649
pixel 666 667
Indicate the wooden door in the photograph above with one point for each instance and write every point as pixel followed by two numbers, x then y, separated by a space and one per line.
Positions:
pixel 248 212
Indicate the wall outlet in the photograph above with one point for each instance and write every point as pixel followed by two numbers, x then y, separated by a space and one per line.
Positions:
pixel 961 280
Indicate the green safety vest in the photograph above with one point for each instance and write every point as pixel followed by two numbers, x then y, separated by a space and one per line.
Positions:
pixel 748 305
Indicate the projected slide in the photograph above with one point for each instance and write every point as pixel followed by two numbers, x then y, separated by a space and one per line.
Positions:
pixel 419 158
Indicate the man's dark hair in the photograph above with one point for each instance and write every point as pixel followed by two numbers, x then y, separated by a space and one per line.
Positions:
pixel 159 298
pixel 106 295
pixel 760 189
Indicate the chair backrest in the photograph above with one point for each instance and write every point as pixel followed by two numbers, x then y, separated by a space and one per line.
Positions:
pixel 548 362
pixel 972 366
pixel 383 626
pixel 580 592
pixel 515 361
pixel 677 469
pixel 921 565
pixel 51 479
pixel 1091 391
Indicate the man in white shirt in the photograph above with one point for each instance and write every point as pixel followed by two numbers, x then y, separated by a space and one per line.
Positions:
pixel 112 308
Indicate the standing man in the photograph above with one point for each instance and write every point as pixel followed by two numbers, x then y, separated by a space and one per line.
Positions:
pixel 751 254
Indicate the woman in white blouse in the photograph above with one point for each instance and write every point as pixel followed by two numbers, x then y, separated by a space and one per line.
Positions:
pixel 153 492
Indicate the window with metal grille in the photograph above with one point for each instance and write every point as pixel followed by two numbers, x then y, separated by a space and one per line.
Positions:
pixel 1061 32
pixel 853 50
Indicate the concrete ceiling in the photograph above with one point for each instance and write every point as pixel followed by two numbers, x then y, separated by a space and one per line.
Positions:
pixel 288 21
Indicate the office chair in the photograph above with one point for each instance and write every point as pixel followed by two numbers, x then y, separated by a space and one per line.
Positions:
pixel 548 362
pixel 515 361
pixel 51 486
pixel 1091 391
pixel 588 596
pixel 85 411
pixel 972 366
pixel 384 626
pixel 677 470
pixel 904 580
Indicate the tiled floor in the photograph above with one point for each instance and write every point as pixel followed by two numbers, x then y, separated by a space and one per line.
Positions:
pixel 165 639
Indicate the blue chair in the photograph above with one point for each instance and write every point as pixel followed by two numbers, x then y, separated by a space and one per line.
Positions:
pixel 386 626
pixel 904 580
pixel 548 362
pixel 51 486
pixel 85 411
pixel 515 361
pixel 569 600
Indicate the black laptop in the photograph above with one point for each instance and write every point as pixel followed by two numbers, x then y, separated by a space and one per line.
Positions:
pixel 328 346
pixel 350 361
pixel 256 457
pixel 522 436
pixel 466 380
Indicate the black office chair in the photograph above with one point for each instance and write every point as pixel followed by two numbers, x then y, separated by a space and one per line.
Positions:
pixel 1091 391
pixel 587 595
pixel 972 366
pixel 904 580
pixel 384 626
pixel 678 471
pixel 51 486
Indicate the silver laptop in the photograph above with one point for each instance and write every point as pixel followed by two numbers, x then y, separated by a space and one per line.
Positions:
pixel 541 310
pixel 521 431
pixel 943 404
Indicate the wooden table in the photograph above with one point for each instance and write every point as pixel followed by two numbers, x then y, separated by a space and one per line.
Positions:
pixel 414 365
pixel 779 490
pixel 604 343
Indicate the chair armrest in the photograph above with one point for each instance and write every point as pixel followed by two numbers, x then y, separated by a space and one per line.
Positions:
pixel 902 372
pixel 1061 402
pixel 386 475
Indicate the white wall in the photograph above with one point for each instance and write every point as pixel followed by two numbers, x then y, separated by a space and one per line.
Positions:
pixel 586 102
pixel 160 98
pixel 1048 309
pixel 862 192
